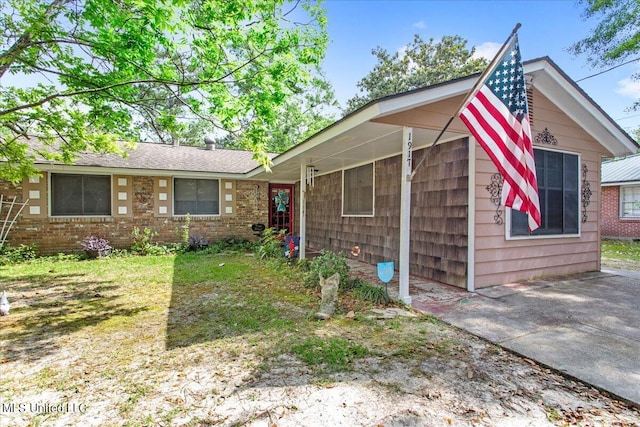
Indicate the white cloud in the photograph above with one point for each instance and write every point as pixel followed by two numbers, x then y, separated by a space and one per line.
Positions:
pixel 420 25
pixel 486 50
pixel 629 88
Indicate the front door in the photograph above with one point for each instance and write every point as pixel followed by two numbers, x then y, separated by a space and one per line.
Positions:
pixel 281 207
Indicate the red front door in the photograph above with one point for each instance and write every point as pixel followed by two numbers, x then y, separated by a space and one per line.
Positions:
pixel 281 207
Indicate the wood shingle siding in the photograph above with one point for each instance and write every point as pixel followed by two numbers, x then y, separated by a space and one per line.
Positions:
pixel 438 218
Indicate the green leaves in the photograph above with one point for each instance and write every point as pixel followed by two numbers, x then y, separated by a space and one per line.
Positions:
pixel 146 69
pixel 616 35
pixel 420 64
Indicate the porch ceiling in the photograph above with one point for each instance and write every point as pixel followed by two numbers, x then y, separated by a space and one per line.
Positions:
pixel 361 144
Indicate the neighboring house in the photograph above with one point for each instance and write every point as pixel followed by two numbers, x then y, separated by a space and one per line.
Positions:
pixel 621 198
pixel 445 224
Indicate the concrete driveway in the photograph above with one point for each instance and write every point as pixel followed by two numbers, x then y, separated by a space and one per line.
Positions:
pixel 587 326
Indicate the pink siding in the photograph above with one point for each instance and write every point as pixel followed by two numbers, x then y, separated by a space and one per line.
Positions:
pixel 498 260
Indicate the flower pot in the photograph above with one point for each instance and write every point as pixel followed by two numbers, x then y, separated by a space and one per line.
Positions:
pixel 97 253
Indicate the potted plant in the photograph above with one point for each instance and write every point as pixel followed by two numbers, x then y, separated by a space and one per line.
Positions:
pixel 96 247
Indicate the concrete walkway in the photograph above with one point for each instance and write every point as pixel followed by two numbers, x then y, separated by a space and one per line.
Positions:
pixel 586 325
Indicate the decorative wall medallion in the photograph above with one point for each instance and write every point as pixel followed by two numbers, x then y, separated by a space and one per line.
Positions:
pixel 545 137
pixel 495 190
pixel 142 197
pixel 253 195
pixel 585 192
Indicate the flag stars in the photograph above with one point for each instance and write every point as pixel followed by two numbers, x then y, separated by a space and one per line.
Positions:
pixel 507 82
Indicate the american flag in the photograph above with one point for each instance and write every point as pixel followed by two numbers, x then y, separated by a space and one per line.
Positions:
pixel 498 117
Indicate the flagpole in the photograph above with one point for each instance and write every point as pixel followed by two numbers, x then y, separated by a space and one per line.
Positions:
pixel 474 89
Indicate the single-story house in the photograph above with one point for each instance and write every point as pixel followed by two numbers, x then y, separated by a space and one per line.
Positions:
pixel 347 186
pixel 621 198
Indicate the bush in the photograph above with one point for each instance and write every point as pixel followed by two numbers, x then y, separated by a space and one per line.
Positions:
pixel 326 265
pixel 375 294
pixel 231 245
pixel 13 255
pixel 271 244
pixel 143 243
pixel 197 243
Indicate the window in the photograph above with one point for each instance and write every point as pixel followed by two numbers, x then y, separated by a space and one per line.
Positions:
pixel 196 196
pixel 357 194
pixel 558 188
pixel 630 201
pixel 80 194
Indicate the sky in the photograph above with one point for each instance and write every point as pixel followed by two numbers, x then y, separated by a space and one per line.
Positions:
pixel 549 28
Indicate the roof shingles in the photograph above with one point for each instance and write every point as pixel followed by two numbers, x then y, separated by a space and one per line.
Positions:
pixel 152 156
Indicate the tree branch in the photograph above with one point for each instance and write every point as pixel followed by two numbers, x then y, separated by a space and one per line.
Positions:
pixel 25 40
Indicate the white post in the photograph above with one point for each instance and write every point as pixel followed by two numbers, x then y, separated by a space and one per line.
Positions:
pixel 405 214
pixel 471 218
pixel 303 212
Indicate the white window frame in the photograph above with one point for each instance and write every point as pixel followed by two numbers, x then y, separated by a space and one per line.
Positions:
pixel 51 198
pixel 635 187
pixel 173 202
pixel 373 191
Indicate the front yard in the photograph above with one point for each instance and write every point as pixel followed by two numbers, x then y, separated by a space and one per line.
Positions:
pixel 199 339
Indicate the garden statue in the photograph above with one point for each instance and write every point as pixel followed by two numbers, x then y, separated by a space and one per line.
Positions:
pixel 329 296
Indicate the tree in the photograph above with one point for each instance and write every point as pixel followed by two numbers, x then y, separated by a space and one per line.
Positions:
pixel 615 38
pixel 302 115
pixel 104 71
pixel 420 64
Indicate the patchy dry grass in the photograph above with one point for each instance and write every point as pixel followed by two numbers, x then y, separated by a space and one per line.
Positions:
pixel 197 339
pixel 621 254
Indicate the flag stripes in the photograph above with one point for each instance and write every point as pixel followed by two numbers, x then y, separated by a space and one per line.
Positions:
pixel 497 116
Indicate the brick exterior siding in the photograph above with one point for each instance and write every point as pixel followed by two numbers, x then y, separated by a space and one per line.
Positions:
pixel 612 225
pixel 248 205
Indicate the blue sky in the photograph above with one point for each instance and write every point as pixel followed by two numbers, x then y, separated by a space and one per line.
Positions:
pixel 549 28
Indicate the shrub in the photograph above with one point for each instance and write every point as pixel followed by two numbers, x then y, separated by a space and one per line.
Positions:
pixel 13 255
pixel 197 243
pixel 231 244
pixel 325 265
pixel 375 294
pixel 143 243
pixel 271 244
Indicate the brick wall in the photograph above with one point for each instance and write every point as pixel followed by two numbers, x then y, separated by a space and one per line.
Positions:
pixel 612 225
pixel 243 203
pixel 439 210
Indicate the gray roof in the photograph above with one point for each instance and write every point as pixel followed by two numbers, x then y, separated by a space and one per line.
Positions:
pixel 150 156
pixel 621 170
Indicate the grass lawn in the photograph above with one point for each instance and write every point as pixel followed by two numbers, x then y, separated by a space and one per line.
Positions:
pixel 198 339
pixel 138 326
pixel 621 254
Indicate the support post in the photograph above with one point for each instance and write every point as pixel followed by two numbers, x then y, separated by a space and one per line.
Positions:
pixel 405 214
pixel 303 212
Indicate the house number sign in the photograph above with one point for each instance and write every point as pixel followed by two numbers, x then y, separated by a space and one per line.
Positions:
pixel 409 153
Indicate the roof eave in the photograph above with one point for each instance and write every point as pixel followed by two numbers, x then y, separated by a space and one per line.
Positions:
pixel 554 84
